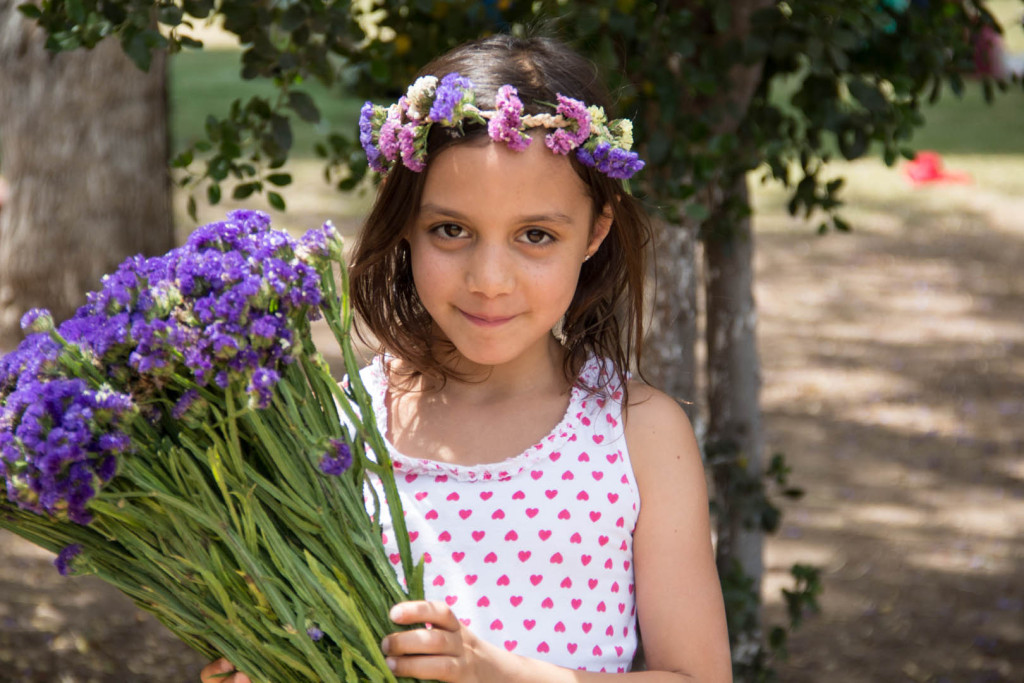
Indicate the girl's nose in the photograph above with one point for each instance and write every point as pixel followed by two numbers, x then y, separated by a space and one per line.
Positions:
pixel 491 271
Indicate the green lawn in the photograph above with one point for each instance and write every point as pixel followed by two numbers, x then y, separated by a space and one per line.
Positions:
pixel 204 82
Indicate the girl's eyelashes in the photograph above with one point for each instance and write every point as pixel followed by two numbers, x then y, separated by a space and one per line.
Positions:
pixel 537 236
pixel 449 231
pixel 454 231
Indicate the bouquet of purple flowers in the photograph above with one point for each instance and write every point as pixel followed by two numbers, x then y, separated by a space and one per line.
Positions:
pixel 181 438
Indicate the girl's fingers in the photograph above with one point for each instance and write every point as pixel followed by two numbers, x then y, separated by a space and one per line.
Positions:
pixel 436 614
pixel 221 671
pixel 422 642
pixel 428 668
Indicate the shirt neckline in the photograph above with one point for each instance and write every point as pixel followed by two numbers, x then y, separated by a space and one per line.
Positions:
pixel 501 470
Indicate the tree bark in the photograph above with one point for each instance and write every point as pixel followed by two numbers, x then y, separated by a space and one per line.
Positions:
pixel 83 139
pixel 734 418
pixel 670 357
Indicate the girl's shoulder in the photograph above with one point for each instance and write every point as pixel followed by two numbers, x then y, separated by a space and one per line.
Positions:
pixel 657 429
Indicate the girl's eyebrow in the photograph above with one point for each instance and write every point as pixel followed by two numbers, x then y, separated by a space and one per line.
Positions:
pixel 552 217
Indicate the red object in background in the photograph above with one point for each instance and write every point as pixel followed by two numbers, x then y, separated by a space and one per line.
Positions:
pixel 926 167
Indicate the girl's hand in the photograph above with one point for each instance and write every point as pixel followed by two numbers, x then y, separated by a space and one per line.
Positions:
pixel 222 671
pixel 444 650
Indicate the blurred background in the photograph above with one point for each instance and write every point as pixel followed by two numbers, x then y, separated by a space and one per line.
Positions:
pixel 892 366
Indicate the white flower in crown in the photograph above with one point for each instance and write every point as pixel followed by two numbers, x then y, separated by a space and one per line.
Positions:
pixel 420 96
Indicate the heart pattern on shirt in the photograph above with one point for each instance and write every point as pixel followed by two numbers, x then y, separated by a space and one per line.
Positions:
pixel 538 551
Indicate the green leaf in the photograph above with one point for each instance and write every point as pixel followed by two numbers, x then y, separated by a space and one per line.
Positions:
pixel 304 106
pixel 213 193
pixel 169 15
pixel 190 42
pixel 868 95
pixel 276 201
pixel 244 190
pixel 697 211
pixel 281 131
pixel 138 50
pixel 192 208
pixel 29 10
pixel 76 11
pixel 182 160
pixel 280 179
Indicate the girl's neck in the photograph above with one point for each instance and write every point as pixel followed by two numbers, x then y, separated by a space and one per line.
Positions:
pixel 538 370
pixel 487 415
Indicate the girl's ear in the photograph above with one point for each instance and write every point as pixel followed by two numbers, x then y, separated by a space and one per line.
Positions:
pixel 602 226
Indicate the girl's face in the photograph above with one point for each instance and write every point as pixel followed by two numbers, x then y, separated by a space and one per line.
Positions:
pixel 497 245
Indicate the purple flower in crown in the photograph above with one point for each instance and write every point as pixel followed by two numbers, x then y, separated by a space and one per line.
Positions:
pixel 505 125
pixel 366 115
pixel 451 92
pixel 614 162
pixel 564 140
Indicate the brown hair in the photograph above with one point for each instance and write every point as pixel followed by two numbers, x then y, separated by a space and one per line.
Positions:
pixel 605 316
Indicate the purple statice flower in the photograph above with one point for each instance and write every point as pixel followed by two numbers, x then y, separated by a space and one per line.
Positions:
pixel 505 125
pixel 451 92
pixel 59 440
pixel 411 159
pixel 564 140
pixel 337 459
pixel 64 558
pixel 37 320
pixel 366 115
pixel 612 161
pixel 184 404
pixel 261 387
pixel 314 633
pixel 322 243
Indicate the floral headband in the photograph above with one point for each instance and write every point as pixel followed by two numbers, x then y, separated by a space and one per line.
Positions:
pixel 398 134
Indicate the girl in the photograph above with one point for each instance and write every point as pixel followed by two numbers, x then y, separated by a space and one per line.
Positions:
pixel 560 505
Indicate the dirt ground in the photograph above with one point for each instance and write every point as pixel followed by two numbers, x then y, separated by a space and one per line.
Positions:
pixel 893 374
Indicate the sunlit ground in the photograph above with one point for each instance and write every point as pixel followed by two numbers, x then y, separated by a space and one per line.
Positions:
pixel 894 382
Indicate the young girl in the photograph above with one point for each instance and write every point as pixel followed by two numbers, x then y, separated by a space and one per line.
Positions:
pixel 560 505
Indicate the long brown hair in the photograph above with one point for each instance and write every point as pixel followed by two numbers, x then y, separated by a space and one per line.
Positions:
pixel 605 316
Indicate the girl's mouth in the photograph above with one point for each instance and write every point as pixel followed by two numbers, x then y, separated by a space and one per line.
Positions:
pixel 486 320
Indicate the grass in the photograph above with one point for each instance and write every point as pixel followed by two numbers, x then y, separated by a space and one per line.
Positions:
pixel 204 82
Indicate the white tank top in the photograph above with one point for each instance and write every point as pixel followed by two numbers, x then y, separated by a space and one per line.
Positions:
pixel 534 553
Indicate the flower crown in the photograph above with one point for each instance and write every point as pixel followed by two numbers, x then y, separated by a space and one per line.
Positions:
pixel 398 134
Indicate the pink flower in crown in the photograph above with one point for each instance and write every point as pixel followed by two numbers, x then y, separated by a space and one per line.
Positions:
pixel 388 138
pixel 563 140
pixel 407 146
pixel 504 125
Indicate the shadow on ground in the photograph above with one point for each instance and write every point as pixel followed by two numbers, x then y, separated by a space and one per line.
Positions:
pixel 894 382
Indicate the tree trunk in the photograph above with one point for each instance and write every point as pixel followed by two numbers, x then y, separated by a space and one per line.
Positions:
pixel 734 420
pixel 670 359
pixel 83 139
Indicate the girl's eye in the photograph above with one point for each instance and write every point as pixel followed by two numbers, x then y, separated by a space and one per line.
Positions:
pixel 537 236
pixel 449 230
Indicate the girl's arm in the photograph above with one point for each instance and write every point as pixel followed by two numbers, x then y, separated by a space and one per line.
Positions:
pixel 678 595
pixel 679 599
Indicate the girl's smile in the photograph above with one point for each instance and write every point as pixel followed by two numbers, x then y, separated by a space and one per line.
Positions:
pixel 497 246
